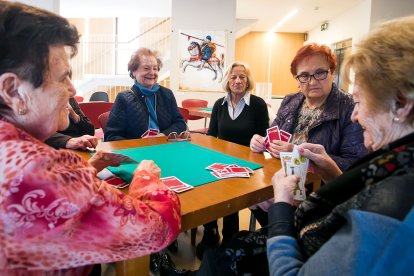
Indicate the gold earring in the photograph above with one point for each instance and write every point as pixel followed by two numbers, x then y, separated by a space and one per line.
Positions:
pixel 22 111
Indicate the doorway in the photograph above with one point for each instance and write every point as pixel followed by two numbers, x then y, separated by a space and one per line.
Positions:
pixel 341 50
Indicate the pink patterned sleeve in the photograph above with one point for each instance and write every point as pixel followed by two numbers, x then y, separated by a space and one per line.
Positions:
pixel 56 214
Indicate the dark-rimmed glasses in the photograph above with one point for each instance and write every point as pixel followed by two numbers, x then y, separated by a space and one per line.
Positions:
pixel 306 77
pixel 175 137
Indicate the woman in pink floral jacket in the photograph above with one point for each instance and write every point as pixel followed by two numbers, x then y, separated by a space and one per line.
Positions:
pixel 54 213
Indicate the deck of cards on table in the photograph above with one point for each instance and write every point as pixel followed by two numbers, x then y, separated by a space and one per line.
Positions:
pixel 229 170
pixel 150 132
pixel 175 184
pixel 295 164
pixel 274 133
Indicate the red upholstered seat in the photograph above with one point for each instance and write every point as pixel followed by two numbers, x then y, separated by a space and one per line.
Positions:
pixel 194 103
pixel 103 118
pixel 185 113
pixel 188 103
pixel 92 110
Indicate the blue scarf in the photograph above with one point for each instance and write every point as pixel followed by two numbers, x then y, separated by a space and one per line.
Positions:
pixel 150 101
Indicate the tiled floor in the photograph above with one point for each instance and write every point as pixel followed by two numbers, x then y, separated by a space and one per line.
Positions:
pixel 185 258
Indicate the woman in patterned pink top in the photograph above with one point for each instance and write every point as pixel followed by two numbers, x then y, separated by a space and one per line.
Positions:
pixel 54 213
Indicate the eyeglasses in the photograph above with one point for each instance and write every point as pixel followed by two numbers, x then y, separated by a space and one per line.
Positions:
pixel 175 137
pixel 306 77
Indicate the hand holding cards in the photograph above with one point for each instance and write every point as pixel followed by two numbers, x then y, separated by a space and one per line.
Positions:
pixel 274 133
pixel 295 164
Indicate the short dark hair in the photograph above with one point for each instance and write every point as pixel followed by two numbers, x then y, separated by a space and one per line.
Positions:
pixel 26 33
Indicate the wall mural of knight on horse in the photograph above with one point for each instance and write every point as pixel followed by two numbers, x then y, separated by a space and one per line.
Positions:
pixel 203 60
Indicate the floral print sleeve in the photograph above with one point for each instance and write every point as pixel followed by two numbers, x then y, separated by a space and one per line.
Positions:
pixel 55 214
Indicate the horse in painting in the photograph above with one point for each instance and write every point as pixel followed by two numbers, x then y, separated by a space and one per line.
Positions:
pixel 195 60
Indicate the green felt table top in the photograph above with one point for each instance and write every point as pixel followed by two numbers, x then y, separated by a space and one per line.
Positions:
pixel 181 159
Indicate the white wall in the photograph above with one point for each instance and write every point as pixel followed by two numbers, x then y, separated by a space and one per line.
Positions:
pixel 50 5
pixel 382 10
pixel 353 24
pixel 356 22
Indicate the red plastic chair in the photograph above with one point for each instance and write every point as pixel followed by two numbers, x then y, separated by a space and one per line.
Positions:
pixel 189 103
pixel 194 103
pixel 103 118
pixel 79 99
pixel 185 113
pixel 92 110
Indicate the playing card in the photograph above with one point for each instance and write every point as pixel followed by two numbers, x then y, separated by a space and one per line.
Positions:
pixel 285 158
pixel 285 136
pixel 216 166
pixel 183 189
pixel 117 182
pixel 122 158
pixel 145 134
pixel 300 168
pixel 153 132
pixel 226 171
pixel 112 179
pixel 175 184
pixel 222 175
pixel 150 132
pixel 237 166
pixel 267 143
pixel 238 170
pixel 273 133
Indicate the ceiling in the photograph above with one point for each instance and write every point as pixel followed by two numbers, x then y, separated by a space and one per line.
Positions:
pixel 311 13
pixel 252 15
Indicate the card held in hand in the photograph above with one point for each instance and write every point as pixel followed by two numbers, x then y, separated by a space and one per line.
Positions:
pixel 295 164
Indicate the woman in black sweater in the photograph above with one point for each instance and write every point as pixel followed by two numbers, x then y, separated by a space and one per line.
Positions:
pixel 235 118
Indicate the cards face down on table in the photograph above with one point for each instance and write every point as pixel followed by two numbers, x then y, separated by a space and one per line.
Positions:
pixel 274 133
pixel 295 164
pixel 150 132
pixel 112 179
pixel 229 170
pixel 175 184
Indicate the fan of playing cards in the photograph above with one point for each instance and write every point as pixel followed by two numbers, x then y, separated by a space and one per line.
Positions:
pixel 295 164
pixel 229 170
pixel 274 133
